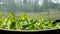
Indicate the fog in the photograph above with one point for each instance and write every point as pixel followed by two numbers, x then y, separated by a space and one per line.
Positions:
pixel 32 7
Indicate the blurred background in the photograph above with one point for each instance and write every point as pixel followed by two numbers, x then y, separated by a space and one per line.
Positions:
pixel 33 8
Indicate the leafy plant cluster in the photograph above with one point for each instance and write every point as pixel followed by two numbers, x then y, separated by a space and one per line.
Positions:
pixel 22 22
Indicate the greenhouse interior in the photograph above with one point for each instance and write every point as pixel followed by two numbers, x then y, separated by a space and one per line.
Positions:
pixel 29 14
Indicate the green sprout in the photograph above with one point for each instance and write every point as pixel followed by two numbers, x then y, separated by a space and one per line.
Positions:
pixel 22 22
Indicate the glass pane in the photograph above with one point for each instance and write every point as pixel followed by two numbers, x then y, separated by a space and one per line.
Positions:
pixel 33 8
pixel 49 9
pixel 3 9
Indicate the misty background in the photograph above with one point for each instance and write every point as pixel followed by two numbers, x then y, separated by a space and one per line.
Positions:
pixel 46 8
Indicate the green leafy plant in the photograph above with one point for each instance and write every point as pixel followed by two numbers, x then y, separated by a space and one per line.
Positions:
pixel 22 22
